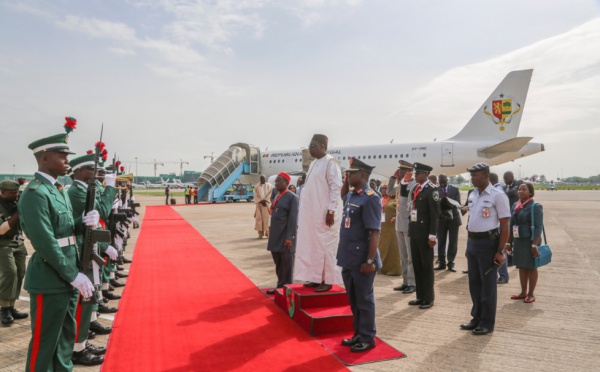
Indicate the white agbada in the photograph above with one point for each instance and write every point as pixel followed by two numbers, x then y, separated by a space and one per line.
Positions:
pixel 317 243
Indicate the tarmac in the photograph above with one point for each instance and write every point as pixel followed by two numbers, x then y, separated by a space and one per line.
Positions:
pixel 558 332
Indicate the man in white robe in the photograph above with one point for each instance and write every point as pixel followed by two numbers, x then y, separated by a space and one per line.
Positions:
pixel 319 219
pixel 262 199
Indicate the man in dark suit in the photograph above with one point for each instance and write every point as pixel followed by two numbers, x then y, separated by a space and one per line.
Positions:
pixel 424 204
pixel 448 227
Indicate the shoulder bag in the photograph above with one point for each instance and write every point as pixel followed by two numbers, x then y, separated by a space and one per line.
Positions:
pixel 545 256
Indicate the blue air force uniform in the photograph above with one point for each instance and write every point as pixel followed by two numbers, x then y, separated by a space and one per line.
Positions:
pixel 362 213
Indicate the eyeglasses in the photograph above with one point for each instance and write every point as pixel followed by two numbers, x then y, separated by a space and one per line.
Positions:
pixel 313 145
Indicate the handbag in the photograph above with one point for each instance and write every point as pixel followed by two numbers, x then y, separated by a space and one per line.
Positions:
pixel 545 256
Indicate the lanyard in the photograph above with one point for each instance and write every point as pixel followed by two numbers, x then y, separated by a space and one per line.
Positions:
pixel 277 199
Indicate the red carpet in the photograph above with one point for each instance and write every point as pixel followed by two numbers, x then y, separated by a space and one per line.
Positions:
pixel 187 308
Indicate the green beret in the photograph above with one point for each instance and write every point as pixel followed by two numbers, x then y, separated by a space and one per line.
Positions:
pixel 82 161
pixel 9 185
pixel 57 143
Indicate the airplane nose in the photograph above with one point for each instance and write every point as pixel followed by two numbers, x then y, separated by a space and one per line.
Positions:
pixel 543 148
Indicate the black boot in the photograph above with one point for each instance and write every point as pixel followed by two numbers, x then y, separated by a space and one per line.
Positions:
pixel 17 314
pixel 86 358
pixel 125 260
pixel 119 275
pixel 116 283
pixel 5 316
pixel 103 309
pixel 110 295
pixel 99 328
pixel 96 350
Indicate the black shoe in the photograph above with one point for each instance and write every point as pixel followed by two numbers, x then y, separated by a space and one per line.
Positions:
pixel 469 326
pixel 6 317
pixel 103 309
pixel 125 260
pixel 361 347
pixel 401 288
pixel 105 300
pixel 116 283
pixel 502 280
pixel 99 328
pixel 119 268
pixel 96 350
pixel 271 291
pixel 86 358
pixel 350 341
pixel 415 302
pixel 465 271
pixel 410 289
pixel 426 305
pixel 120 275
pixel 17 314
pixel 440 267
pixel 109 295
pixel 311 284
pixel 91 335
pixel 481 331
pixel 111 288
pixel 451 268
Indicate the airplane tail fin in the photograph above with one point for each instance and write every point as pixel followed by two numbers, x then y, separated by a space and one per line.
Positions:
pixel 500 115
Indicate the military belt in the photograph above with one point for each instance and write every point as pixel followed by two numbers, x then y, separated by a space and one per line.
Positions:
pixel 65 242
pixel 491 235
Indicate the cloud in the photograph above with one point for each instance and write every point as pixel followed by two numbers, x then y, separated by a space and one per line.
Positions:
pixel 98 28
pixel 123 51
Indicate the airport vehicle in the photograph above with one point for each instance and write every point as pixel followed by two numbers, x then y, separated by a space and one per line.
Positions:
pixel 239 192
pixel 490 136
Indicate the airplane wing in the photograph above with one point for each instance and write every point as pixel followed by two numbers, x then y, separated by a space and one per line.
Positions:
pixel 511 145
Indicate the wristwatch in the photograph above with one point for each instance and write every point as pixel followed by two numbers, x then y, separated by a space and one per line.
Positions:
pixel 371 262
pixel 500 250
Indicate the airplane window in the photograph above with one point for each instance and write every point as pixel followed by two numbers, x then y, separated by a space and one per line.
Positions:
pixel 385 156
pixel 424 155
pixel 379 156
pixel 401 155
pixel 407 155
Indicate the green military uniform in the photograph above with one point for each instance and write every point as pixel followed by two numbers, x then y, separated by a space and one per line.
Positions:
pixel 12 252
pixel 77 195
pixel 46 218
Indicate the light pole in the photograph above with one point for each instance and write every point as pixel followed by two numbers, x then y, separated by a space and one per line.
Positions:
pixel 136 173
pixel 211 156
pixel 14 175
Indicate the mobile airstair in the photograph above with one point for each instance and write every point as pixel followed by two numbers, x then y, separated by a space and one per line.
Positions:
pixel 239 159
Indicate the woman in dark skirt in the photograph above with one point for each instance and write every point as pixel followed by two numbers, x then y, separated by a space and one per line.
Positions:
pixel 524 248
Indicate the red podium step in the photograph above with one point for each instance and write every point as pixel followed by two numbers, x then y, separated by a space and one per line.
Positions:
pixel 318 313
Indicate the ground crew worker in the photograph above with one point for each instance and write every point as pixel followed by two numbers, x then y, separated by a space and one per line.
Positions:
pixel 357 252
pixel 12 253
pixel 489 214
pixel 47 219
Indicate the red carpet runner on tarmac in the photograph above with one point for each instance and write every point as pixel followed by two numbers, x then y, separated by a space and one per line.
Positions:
pixel 187 308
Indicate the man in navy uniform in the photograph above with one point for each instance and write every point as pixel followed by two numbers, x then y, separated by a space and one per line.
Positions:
pixel 424 204
pixel 448 227
pixel 488 233
pixel 282 233
pixel 357 252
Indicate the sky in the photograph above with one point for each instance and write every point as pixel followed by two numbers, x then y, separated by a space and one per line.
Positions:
pixel 177 80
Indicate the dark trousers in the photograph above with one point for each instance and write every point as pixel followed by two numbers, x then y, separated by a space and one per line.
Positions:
pixel 359 288
pixel 422 258
pixel 447 232
pixel 167 199
pixel 284 267
pixel 483 287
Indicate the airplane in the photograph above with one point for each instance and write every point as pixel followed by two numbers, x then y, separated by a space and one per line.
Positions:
pixel 490 136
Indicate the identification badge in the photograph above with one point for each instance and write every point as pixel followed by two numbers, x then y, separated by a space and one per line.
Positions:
pixel 486 212
pixel 413 215
pixel 383 217
pixel 347 223
pixel 515 231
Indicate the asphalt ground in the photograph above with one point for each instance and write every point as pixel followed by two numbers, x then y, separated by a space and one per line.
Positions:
pixel 558 332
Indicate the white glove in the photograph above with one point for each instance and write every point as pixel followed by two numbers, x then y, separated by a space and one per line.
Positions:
pixel 119 242
pixel 110 179
pixel 116 204
pixel 112 252
pixel 84 285
pixel 132 199
pixel 91 219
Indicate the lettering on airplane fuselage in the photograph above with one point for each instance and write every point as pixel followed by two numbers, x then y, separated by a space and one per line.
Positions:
pixel 334 152
pixel 282 154
pixel 423 148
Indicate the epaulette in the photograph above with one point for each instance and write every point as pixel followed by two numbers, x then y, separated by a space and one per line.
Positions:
pixel 79 186
pixel 33 183
pixel 370 192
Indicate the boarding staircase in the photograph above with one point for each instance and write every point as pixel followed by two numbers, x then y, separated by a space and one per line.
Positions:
pixel 239 159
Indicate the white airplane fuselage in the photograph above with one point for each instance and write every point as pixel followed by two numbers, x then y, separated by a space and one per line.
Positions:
pixel 448 157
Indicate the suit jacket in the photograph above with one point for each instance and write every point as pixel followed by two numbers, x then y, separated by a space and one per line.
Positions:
pixel 46 215
pixel 427 205
pixel 453 193
pixel 284 223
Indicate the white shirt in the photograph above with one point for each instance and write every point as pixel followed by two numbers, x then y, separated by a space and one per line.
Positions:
pixel 48 177
pixel 493 202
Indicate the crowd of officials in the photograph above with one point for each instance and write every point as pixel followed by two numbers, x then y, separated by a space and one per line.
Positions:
pixel 356 226
pixel 64 227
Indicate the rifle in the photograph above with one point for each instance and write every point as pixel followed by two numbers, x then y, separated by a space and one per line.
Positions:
pixel 90 260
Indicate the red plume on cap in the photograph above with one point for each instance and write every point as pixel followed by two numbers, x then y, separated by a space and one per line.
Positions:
pixel 104 154
pixel 122 168
pixel 89 152
pixel 117 163
pixel 21 181
pixel 70 124
pixel 101 145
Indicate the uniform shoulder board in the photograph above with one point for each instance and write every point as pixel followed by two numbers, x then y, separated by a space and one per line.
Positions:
pixel 370 192
pixel 436 195
pixel 33 185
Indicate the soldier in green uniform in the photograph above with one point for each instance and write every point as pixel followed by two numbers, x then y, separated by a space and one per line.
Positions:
pixel 12 253
pixel 52 278
pixel 83 171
